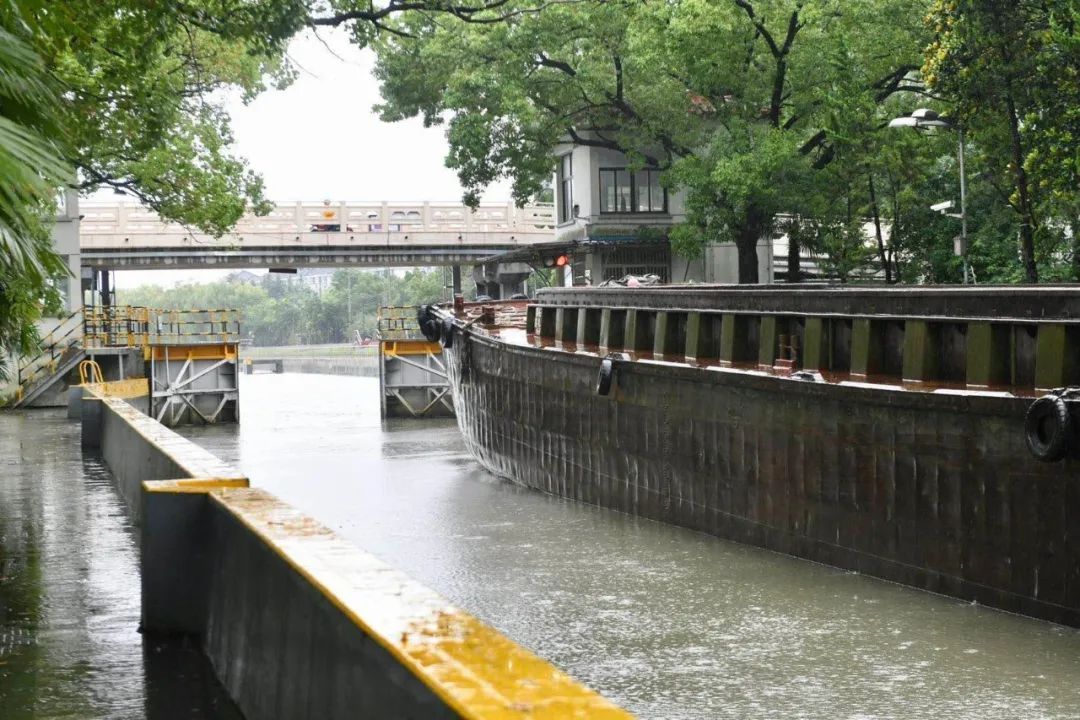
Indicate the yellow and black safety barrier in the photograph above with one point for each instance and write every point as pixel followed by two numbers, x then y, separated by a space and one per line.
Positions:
pixel 119 326
pixel 398 322
pixel 413 346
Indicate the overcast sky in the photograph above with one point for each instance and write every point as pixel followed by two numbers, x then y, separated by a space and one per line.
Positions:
pixel 319 139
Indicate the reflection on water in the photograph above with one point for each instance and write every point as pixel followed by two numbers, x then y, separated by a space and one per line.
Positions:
pixel 670 623
pixel 69 592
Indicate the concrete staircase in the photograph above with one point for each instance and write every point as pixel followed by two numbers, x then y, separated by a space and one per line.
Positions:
pixel 62 350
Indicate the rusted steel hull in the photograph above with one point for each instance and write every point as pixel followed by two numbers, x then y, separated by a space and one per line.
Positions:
pixel 931 490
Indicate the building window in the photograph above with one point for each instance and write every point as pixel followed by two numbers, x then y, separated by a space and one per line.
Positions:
pixel 566 192
pixel 622 191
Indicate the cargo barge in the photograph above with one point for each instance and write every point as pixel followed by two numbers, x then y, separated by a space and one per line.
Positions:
pixel 925 436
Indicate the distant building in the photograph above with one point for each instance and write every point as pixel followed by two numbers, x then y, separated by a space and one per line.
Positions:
pixel 318 279
pixel 244 277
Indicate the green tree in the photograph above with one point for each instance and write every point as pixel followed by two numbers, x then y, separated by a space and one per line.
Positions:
pixel 283 312
pixel 1012 70
pixel 127 94
pixel 31 168
pixel 143 88
pixel 733 98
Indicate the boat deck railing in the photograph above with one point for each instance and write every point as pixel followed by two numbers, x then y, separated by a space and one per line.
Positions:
pixel 1019 337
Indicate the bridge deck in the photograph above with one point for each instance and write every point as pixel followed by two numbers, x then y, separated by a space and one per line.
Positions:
pixel 329 234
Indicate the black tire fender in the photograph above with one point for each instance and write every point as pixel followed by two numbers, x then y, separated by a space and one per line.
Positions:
pixel 428 326
pixel 603 380
pixel 448 333
pixel 1048 428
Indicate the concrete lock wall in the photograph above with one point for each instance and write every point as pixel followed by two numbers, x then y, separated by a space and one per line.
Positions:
pixel 137 448
pixel 295 621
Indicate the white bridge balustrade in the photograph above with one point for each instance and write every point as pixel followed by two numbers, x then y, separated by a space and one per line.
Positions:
pixel 115 235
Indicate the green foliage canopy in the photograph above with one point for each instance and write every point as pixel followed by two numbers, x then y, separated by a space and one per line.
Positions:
pixel 743 102
pixel 31 168
pixel 280 311
pixel 1012 71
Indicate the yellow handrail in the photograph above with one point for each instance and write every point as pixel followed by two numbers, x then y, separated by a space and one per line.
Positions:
pixel 92 369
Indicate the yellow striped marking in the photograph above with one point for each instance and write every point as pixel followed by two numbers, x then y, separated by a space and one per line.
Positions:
pixel 390 348
pixel 123 389
pixel 193 485
pixel 475 670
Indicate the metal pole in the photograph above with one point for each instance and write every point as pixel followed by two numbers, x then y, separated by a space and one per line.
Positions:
pixel 963 207
pixel 456 275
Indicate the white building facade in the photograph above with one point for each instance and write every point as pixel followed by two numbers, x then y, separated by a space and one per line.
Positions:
pixel 618 219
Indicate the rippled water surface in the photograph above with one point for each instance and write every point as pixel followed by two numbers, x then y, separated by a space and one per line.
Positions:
pixel 670 623
pixel 69 592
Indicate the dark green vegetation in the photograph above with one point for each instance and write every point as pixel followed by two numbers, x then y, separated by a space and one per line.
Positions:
pixel 125 94
pixel 30 172
pixel 773 115
pixel 283 312
pixel 770 114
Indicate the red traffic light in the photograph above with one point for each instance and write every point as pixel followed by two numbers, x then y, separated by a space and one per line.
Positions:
pixel 557 261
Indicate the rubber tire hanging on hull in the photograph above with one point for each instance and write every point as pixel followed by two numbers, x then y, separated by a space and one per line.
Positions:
pixel 448 333
pixel 1048 428
pixel 603 380
pixel 429 325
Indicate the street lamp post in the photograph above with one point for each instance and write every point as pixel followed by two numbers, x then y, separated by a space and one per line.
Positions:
pixel 923 119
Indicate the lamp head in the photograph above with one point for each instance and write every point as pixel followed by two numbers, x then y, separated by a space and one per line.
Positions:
pixel 906 121
pixel 922 118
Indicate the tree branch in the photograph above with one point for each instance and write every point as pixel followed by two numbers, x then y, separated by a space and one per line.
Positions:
pixel 760 26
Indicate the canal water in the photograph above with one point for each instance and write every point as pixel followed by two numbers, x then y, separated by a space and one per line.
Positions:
pixel 669 623
pixel 69 592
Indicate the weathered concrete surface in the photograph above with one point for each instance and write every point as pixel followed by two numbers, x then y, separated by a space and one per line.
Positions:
pixel 137 448
pixel 419 656
pixel 299 623
pixel 178 545
pixel 931 489
pixel 284 648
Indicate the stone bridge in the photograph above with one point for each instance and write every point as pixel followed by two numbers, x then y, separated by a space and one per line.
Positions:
pixel 312 234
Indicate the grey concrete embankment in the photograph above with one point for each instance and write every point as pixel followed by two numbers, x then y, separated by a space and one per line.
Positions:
pixel 137 448
pixel 361 366
pixel 295 621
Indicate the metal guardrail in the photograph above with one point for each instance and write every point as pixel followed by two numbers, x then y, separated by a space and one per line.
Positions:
pixel 122 326
pixel 118 225
pixel 55 346
pixel 398 323
pixel 118 326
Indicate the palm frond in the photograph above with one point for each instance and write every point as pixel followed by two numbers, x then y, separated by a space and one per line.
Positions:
pixel 32 167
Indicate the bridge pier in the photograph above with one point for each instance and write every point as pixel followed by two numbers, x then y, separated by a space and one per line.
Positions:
pixel 500 281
